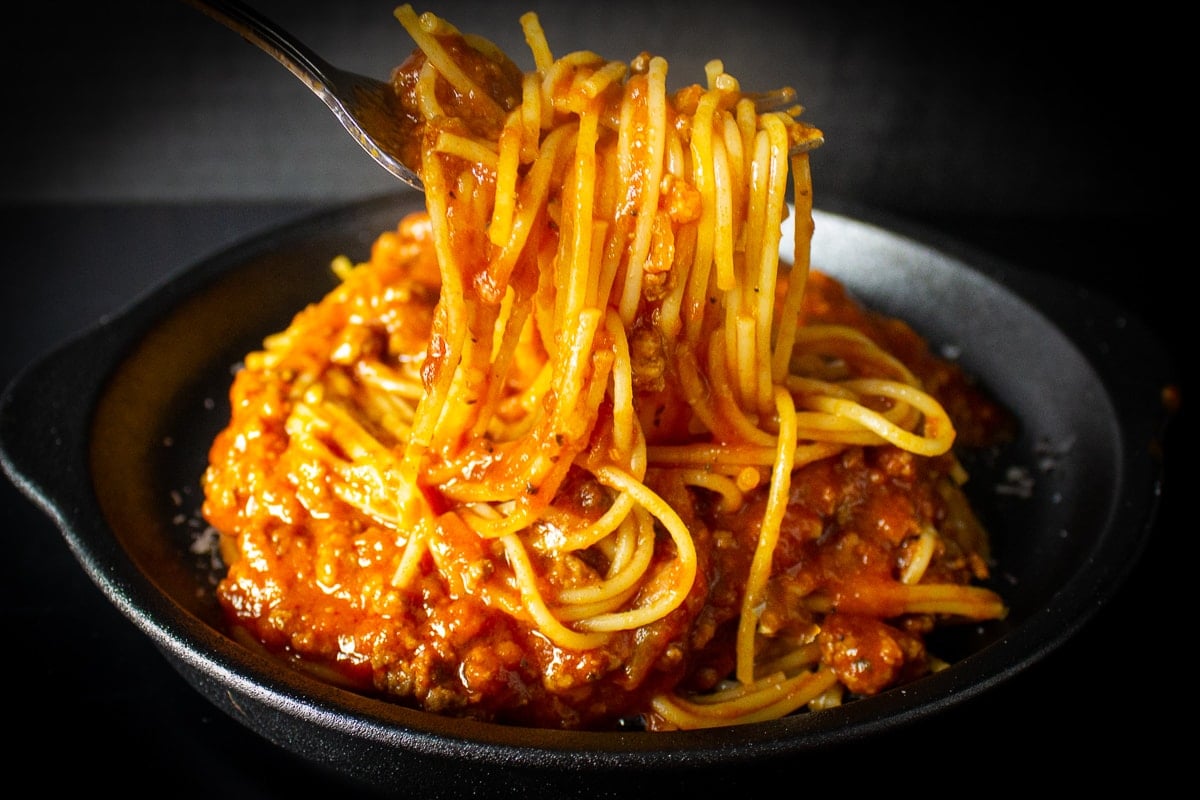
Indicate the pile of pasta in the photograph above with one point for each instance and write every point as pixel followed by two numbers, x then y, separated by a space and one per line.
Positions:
pixel 573 448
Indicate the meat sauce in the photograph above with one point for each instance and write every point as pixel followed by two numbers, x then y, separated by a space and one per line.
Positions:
pixel 310 577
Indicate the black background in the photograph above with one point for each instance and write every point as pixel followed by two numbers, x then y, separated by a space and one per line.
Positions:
pixel 142 136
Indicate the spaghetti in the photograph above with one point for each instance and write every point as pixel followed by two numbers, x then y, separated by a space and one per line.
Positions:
pixel 572 448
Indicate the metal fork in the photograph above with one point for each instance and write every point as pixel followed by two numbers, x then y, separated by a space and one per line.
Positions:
pixel 365 106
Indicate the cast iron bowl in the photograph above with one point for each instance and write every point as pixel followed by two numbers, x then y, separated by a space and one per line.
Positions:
pixel 109 436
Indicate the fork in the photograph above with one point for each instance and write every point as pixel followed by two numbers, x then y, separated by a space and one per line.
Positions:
pixel 364 106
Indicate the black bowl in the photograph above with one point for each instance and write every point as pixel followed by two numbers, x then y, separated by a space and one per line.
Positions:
pixel 109 436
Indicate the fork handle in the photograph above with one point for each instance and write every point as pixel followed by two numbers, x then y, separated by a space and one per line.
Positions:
pixel 311 69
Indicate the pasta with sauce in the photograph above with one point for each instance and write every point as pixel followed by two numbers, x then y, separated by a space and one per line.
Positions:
pixel 573 448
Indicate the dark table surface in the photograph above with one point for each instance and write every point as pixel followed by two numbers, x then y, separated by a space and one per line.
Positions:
pixel 95 696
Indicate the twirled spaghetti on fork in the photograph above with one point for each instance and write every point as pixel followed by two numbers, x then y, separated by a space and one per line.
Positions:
pixel 573 448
